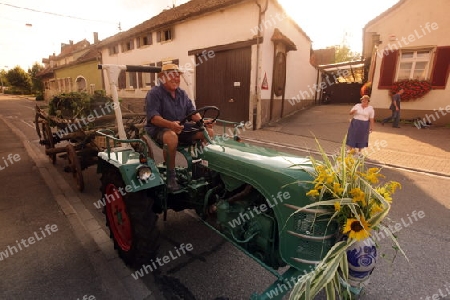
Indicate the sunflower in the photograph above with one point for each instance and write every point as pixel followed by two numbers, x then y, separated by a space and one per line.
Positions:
pixel 313 193
pixel 358 195
pixel 357 229
pixel 337 206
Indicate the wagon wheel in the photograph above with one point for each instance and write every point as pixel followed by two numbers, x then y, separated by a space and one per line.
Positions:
pixel 75 167
pixel 47 136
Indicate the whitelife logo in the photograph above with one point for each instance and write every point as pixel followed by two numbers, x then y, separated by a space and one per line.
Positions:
pixel 37 236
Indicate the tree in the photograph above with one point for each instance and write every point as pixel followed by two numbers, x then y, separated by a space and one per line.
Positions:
pixel 343 53
pixel 37 86
pixel 19 80
pixel 3 80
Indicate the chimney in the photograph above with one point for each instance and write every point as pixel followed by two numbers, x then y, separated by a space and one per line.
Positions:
pixel 71 43
pixel 95 38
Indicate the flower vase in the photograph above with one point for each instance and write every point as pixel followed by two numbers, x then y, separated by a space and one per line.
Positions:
pixel 362 258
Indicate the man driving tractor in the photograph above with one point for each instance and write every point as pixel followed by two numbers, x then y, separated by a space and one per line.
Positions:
pixel 166 105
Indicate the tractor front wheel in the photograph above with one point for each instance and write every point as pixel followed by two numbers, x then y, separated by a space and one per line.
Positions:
pixel 131 220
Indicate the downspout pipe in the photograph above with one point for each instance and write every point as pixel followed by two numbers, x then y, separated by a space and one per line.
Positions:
pixel 257 90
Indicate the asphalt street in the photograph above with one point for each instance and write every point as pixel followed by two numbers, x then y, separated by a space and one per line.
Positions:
pixel 78 258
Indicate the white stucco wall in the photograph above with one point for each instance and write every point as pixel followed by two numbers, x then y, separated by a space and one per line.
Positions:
pixel 415 24
pixel 218 28
pixel 300 74
pixel 233 24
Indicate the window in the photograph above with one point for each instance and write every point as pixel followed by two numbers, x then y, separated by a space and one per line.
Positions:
pixel 132 80
pixel 414 65
pixel 68 84
pixel 165 35
pixel 145 40
pixel 127 46
pixel 149 79
pixel 81 84
pixel 114 50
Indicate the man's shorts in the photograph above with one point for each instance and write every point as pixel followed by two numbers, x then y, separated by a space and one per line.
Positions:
pixel 185 137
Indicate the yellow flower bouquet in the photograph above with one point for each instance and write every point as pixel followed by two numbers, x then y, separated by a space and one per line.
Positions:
pixel 359 201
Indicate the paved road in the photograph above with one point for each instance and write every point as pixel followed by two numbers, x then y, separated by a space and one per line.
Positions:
pixel 44 252
pixel 215 268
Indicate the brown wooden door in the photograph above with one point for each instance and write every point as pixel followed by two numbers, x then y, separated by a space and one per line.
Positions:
pixel 341 93
pixel 224 81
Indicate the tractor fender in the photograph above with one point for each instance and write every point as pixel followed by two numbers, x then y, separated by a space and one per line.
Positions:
pixel 127 162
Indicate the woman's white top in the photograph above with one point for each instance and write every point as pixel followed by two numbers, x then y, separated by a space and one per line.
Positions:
pixel 363 114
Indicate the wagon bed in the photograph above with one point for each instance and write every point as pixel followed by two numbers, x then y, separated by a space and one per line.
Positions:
pixel 76 139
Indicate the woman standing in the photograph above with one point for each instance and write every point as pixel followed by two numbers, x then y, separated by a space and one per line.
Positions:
pixel 361 124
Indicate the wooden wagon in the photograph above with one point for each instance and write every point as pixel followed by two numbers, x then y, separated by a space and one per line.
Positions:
pixel 76 139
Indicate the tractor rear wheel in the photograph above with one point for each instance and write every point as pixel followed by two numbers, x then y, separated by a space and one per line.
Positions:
pixel 131 220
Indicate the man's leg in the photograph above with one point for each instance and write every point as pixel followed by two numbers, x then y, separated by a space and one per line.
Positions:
pixel 170 139
pixel 201 136
pixel 388 118
pixel 396 119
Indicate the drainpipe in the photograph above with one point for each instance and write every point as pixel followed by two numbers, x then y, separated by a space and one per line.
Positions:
pixel 257 115
pixel 317 85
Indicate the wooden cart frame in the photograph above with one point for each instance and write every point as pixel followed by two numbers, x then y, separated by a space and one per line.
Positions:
pixel 80 142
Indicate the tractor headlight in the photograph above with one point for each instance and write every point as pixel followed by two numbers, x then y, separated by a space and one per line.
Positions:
pixel 144 172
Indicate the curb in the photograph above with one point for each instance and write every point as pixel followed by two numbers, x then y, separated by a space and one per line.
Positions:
pixel 92 237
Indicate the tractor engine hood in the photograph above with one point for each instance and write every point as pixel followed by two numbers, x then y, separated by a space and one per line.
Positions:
pixel 283 179
pixel 256 165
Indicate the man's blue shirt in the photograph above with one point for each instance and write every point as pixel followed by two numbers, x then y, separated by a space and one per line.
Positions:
pixel 159 102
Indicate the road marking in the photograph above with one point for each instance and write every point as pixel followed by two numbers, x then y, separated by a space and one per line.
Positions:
pixel 28 124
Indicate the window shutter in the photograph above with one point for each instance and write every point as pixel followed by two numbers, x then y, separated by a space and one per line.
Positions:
pixel 122 80
pixel 133 77
pixel 441 68
pixel 141 83
pixel 388 67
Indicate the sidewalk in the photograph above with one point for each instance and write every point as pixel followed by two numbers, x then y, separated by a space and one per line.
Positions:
pixel 426 150
pixel 45 249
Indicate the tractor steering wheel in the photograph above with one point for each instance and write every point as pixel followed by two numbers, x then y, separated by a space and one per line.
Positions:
pixel 202 110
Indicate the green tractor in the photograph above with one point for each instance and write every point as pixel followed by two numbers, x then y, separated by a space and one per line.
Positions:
pixel 251 196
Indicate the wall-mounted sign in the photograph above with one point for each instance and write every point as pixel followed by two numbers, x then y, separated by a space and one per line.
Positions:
pixel 265 83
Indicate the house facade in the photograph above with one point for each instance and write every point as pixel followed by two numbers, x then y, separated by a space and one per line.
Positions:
pixel 75 69
pixel 411 41
pixel 246 57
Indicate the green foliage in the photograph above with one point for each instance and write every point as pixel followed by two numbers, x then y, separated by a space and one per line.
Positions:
pixel 76 104
pixel 39 97
pixel 3 80
pixel 37 86
pixel 19 79
pixel 343 53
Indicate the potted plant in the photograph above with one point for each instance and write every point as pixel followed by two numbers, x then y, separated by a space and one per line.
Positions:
pixel 360 201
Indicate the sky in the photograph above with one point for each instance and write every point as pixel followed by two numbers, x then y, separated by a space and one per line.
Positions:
pixel 31 30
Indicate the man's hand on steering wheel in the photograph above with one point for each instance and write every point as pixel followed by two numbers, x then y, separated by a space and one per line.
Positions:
pixel 198 115
pixel 176 127
pixel 209 123
pixel 196 118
